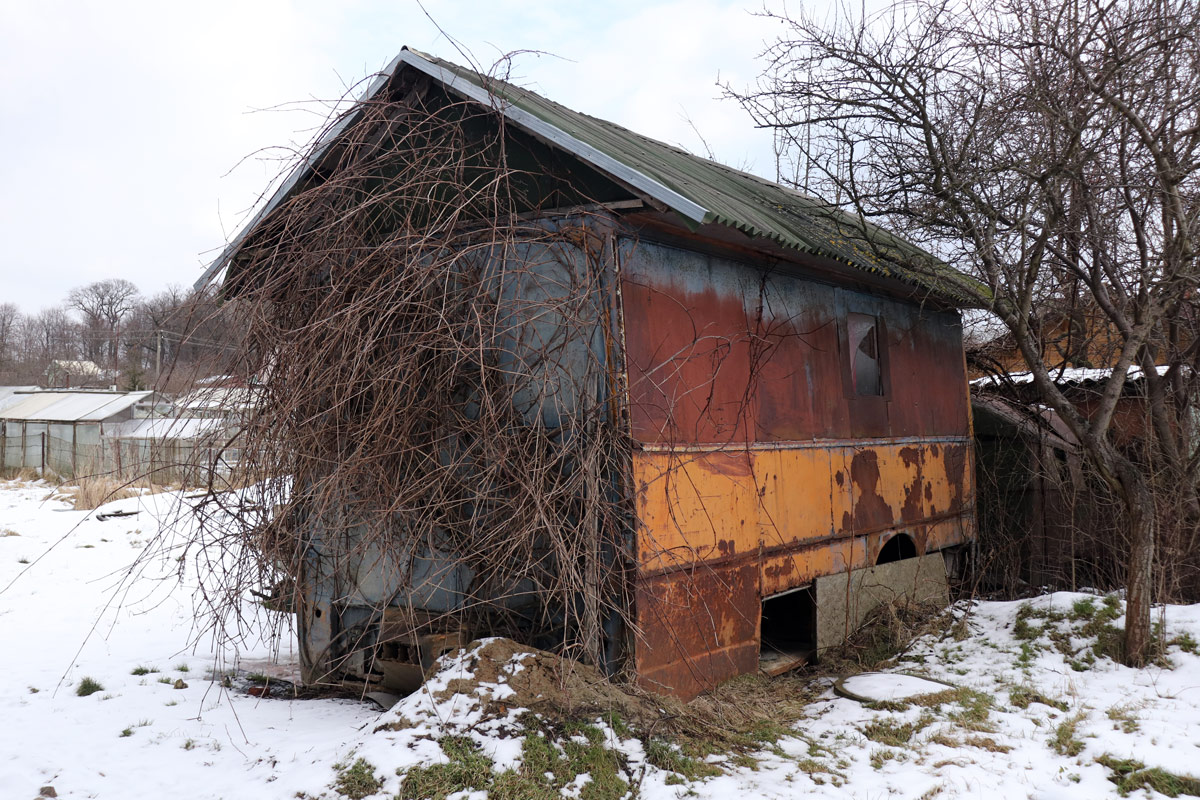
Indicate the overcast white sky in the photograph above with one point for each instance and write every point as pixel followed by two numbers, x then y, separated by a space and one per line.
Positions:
pixel 137 136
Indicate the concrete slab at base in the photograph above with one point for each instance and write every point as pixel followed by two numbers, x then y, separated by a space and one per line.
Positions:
pixel 844 600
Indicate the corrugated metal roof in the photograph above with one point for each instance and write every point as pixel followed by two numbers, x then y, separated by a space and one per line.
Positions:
pixel 164 428
pixel 11 395
pixel 698 189
pixel 218 398
pixel 72 406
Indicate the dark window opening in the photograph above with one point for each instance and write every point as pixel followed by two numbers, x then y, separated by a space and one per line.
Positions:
pixel 866 370
pixel 898 548
pixel 788 635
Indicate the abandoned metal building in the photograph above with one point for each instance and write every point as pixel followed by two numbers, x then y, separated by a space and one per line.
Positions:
pixel 787 390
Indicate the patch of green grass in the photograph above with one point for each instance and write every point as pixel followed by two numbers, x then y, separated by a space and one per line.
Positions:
pixel 672 759
pixel 143 670
pixel 166 680
pixel 974 707
pixel 603 764
pixel 881 756
pixel 811 766
pixel 139 724
pixel 181 667
pixel 743 761
pixel 470 770
pixel 88 686
pixel 356 780
pixel 1022 696
pixel 618 725
pixel 258 677
pixel 1065 741
pixel 1023 630
pixel 1085 620
pixel 518 785
pixel 894 734
pixel 1186 643
pixel 1028 651
pixel 190 744
pixel 1122 716
pixel 887 705
pixel 1130 775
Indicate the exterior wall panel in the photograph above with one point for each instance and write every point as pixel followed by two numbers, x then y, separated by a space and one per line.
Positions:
pixel 757 468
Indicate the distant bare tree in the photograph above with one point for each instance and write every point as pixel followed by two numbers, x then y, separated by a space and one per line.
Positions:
pixel 103 306
pixel 1052 149
pixel 47 335
pixel 10 319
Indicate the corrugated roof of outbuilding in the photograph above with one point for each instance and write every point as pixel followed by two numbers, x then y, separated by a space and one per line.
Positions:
pixel 72 406
pixel 699 190
pixel 11 395
pixel 164 428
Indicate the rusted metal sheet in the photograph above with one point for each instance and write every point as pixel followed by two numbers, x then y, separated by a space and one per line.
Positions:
pixel 721 352
pixel 717 504
pixel 697 627
pixel 686 347
pixel 760 467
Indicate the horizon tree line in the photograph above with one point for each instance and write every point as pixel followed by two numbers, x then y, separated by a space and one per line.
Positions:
pixel 161 341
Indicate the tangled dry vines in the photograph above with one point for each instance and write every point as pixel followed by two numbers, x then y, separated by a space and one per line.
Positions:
pixel 433 355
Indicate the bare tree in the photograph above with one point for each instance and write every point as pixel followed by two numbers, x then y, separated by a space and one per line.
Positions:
pixel 47 335
pixel 104 305
pixel 1051 149
pixel 10 320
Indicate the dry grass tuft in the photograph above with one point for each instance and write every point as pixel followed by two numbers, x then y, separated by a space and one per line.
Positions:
pixel 744 713
pixel 92 492
pixel 886 634
pixel 19 474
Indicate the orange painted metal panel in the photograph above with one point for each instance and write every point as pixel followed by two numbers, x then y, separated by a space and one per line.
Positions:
pixel 787 570
pixel 696 506
pixel 718 531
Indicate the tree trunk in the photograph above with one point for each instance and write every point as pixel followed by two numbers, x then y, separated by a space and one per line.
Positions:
pixel 1140 505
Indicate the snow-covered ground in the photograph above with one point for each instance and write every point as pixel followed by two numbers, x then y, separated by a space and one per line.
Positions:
pixel 1037 714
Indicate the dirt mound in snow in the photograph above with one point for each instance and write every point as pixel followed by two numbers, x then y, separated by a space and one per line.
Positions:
pixel 544 683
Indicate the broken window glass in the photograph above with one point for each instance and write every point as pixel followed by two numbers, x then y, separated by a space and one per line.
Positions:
pixel 865 367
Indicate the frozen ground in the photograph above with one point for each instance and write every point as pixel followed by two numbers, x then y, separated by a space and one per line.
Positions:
pixel 1037 714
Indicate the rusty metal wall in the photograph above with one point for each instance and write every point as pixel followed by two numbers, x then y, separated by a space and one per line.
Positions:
pixel 756 467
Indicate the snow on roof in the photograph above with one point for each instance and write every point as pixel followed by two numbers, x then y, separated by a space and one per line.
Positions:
pixel 71 406
pixel 217 398
pixel 75 367
pixel 10 395
pixel 164 428
pixel 1067 375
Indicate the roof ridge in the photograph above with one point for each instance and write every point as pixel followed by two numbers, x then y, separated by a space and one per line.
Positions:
pixel 699 189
